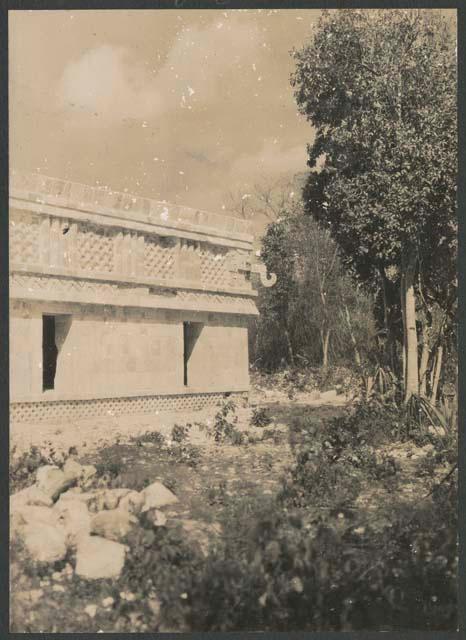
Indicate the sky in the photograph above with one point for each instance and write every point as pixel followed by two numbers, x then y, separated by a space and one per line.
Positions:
pixel 192 107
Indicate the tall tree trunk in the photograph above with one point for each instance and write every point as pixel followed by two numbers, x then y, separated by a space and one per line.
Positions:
pixel 437 371
pixel 424 359
pixel 387 315
pixel 357 356
pixel 432 372
pixel 409 321
pixel 325 338
pixel 289 347
pixel 403 317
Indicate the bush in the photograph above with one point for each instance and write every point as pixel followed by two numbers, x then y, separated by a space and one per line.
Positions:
pixel 153 437
pixel 184 454
pixel 260 417
pixel 160 567
pixel 180 432
pixel 224 428
pixel 335 574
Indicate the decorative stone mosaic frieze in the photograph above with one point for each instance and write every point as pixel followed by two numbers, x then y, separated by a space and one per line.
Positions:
pixel 34 287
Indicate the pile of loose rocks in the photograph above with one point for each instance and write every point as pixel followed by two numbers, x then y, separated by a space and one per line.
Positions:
pixel 59 513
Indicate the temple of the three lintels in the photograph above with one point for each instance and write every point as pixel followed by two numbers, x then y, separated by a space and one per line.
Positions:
pixel 123 305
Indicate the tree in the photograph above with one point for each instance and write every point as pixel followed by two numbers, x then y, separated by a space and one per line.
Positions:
pixel 319 271
pixel 276 303
pixel 302 319
pixel 380 89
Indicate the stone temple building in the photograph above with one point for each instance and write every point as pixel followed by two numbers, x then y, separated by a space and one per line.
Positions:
pixel 123 305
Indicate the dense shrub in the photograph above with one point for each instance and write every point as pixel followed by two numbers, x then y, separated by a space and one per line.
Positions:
pixel 339 575
pixel 284 570
pixel 184 453
pixel 162 563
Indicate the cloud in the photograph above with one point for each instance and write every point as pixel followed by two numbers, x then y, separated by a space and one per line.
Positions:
pixel 103 81
pixel 108 81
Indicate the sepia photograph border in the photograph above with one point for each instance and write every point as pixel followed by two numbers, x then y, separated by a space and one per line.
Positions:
pixel 186 5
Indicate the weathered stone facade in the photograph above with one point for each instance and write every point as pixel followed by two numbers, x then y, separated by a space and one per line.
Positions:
pixel 120 304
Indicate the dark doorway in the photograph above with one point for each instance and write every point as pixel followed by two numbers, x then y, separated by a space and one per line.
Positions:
pixel 191 332
pixel 49 353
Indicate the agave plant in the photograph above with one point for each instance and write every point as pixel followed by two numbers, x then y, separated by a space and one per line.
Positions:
pixel 444 418
pixel 381 384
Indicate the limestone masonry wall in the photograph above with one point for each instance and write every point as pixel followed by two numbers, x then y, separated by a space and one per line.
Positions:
pixel 115 298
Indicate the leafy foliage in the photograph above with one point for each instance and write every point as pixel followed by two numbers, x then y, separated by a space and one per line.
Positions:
pixel 224 428
pixel 260 417
pixel 180 433
pixel 380 89
pixel 314 312
pixel 154 437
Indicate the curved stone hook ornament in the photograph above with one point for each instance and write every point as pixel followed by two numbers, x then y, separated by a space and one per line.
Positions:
pixel 267 280
pixel 239 263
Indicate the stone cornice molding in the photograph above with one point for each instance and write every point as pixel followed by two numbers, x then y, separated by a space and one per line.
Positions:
pixel 124 208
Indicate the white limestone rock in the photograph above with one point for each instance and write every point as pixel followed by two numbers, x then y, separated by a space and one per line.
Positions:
pixel 98 558
pixel 72 469
pixel 52 481
pixel 32 514
pixel 113 525
pixel 156 496
pixel 112 497
pixel 30 496
pixel 75 519
pixel 157 518
pixel 76 495
pixel 44 542
pixel 132 502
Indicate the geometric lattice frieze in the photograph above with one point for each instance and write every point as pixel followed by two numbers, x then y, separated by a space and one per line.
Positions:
pixel 159 257
pixel 95 249
pixel 101 407
pixel 24 238
pixel 82 248
pixel 213 269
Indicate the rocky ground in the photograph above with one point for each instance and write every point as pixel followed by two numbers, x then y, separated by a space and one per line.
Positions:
pixel 69 522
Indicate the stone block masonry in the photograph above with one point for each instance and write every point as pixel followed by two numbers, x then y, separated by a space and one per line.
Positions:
pixel 119 304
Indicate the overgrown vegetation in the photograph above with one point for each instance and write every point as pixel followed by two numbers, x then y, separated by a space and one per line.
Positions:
pixel 311 557
pixel 366 259
pixel 313 561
